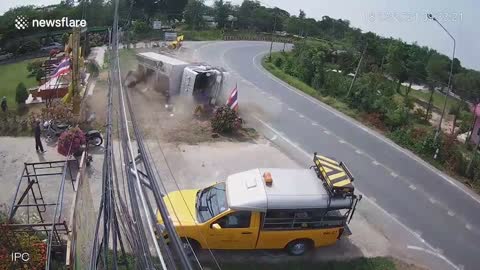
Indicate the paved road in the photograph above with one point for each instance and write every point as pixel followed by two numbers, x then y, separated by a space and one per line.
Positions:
pixel 440 212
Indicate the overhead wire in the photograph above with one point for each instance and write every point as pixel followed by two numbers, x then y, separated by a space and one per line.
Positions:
pixel 183 198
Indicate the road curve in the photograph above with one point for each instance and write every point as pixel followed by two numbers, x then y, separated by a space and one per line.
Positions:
pixel 436 208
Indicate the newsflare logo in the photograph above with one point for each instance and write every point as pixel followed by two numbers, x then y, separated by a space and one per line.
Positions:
pixel 21 23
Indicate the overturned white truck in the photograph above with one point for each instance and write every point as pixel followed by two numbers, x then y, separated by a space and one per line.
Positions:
pixel 203 83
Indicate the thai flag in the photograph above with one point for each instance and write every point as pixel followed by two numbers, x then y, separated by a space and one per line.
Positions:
pixel 232 101
pixel 62 68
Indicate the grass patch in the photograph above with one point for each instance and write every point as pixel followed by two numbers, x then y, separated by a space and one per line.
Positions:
pixel 378 263
pixel 438 98
pixel 202 35
pixel 10 76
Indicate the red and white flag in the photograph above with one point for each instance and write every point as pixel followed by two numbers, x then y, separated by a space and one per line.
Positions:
pixel 232 101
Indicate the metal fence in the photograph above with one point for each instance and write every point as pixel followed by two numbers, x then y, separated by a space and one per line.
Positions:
pixel 82 221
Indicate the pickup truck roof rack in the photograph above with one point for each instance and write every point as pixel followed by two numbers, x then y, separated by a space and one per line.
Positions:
pixel 335 175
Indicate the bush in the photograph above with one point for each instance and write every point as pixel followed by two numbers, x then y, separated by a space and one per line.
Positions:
pixel 71 142
pixel 395 119
pixel 21 94
pixel 278 62
pixel 140 27
pixel 29 45
pixel 21 241
pixel 225 120
pixel 375 119
pixel 288 66
pixel 335 84
pixel 92 69
pixel 403 138
pixel 318 80
pixel 34 66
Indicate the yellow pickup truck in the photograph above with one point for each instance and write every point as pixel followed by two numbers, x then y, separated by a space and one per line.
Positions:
pixel 269 208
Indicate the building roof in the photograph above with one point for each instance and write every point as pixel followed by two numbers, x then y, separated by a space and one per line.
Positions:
pixel 162 58
pixel 291 189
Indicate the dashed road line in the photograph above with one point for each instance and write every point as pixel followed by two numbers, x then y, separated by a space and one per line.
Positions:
pixel 375 163
pixel 435 253
pixel 394 174
pixel 301 115
pixel 412 187
pixel 451 213
pixel 314 124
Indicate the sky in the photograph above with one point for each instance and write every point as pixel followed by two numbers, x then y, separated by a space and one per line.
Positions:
pixel 404 19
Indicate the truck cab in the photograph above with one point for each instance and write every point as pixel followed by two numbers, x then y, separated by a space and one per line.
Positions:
pixel 266 208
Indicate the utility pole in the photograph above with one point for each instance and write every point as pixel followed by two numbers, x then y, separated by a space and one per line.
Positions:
pixel 357 70
pixel 439 128
pixel 273 32
pixel 75 69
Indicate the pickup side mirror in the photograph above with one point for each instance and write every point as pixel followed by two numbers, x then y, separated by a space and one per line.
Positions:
pixel 216 226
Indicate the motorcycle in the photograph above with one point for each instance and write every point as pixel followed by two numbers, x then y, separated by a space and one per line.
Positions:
pixel 53 130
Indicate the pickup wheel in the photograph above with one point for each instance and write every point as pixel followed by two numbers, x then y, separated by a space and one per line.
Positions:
pixel 190 246
pixel 299 247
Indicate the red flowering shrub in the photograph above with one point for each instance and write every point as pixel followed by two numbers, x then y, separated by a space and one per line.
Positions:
pixel 23 242
pixel 71 141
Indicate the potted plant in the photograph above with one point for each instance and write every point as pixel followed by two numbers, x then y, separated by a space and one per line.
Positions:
pixel 71 142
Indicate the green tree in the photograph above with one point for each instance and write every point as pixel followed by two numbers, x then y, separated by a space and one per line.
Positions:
pixel 21 94
pixel 221 13
pixel 466 84
pixel 396 66
pixel 194 10
pixel 455 110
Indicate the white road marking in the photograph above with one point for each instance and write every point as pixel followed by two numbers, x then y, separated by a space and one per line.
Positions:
pixel 326 132
pixel 375 163
pixel 358 152
pixel 291 109
pixel 412 187
pixel 341 141
pixel 432 200
pixel 447 178
pixel 271 97
pixel 451 213
pixel 437 254
pixel 314 124
pixel 468 226
pixel 274 138
pixel 301 115
pixel 394 174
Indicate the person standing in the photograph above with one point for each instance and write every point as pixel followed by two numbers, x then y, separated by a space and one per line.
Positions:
pixel 38 141
pixel 4 104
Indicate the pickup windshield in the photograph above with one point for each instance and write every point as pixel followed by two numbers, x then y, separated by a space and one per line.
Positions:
pixel 210 202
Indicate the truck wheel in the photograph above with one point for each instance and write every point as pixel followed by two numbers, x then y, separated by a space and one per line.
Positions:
pixel 190 246
pixel 299 247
